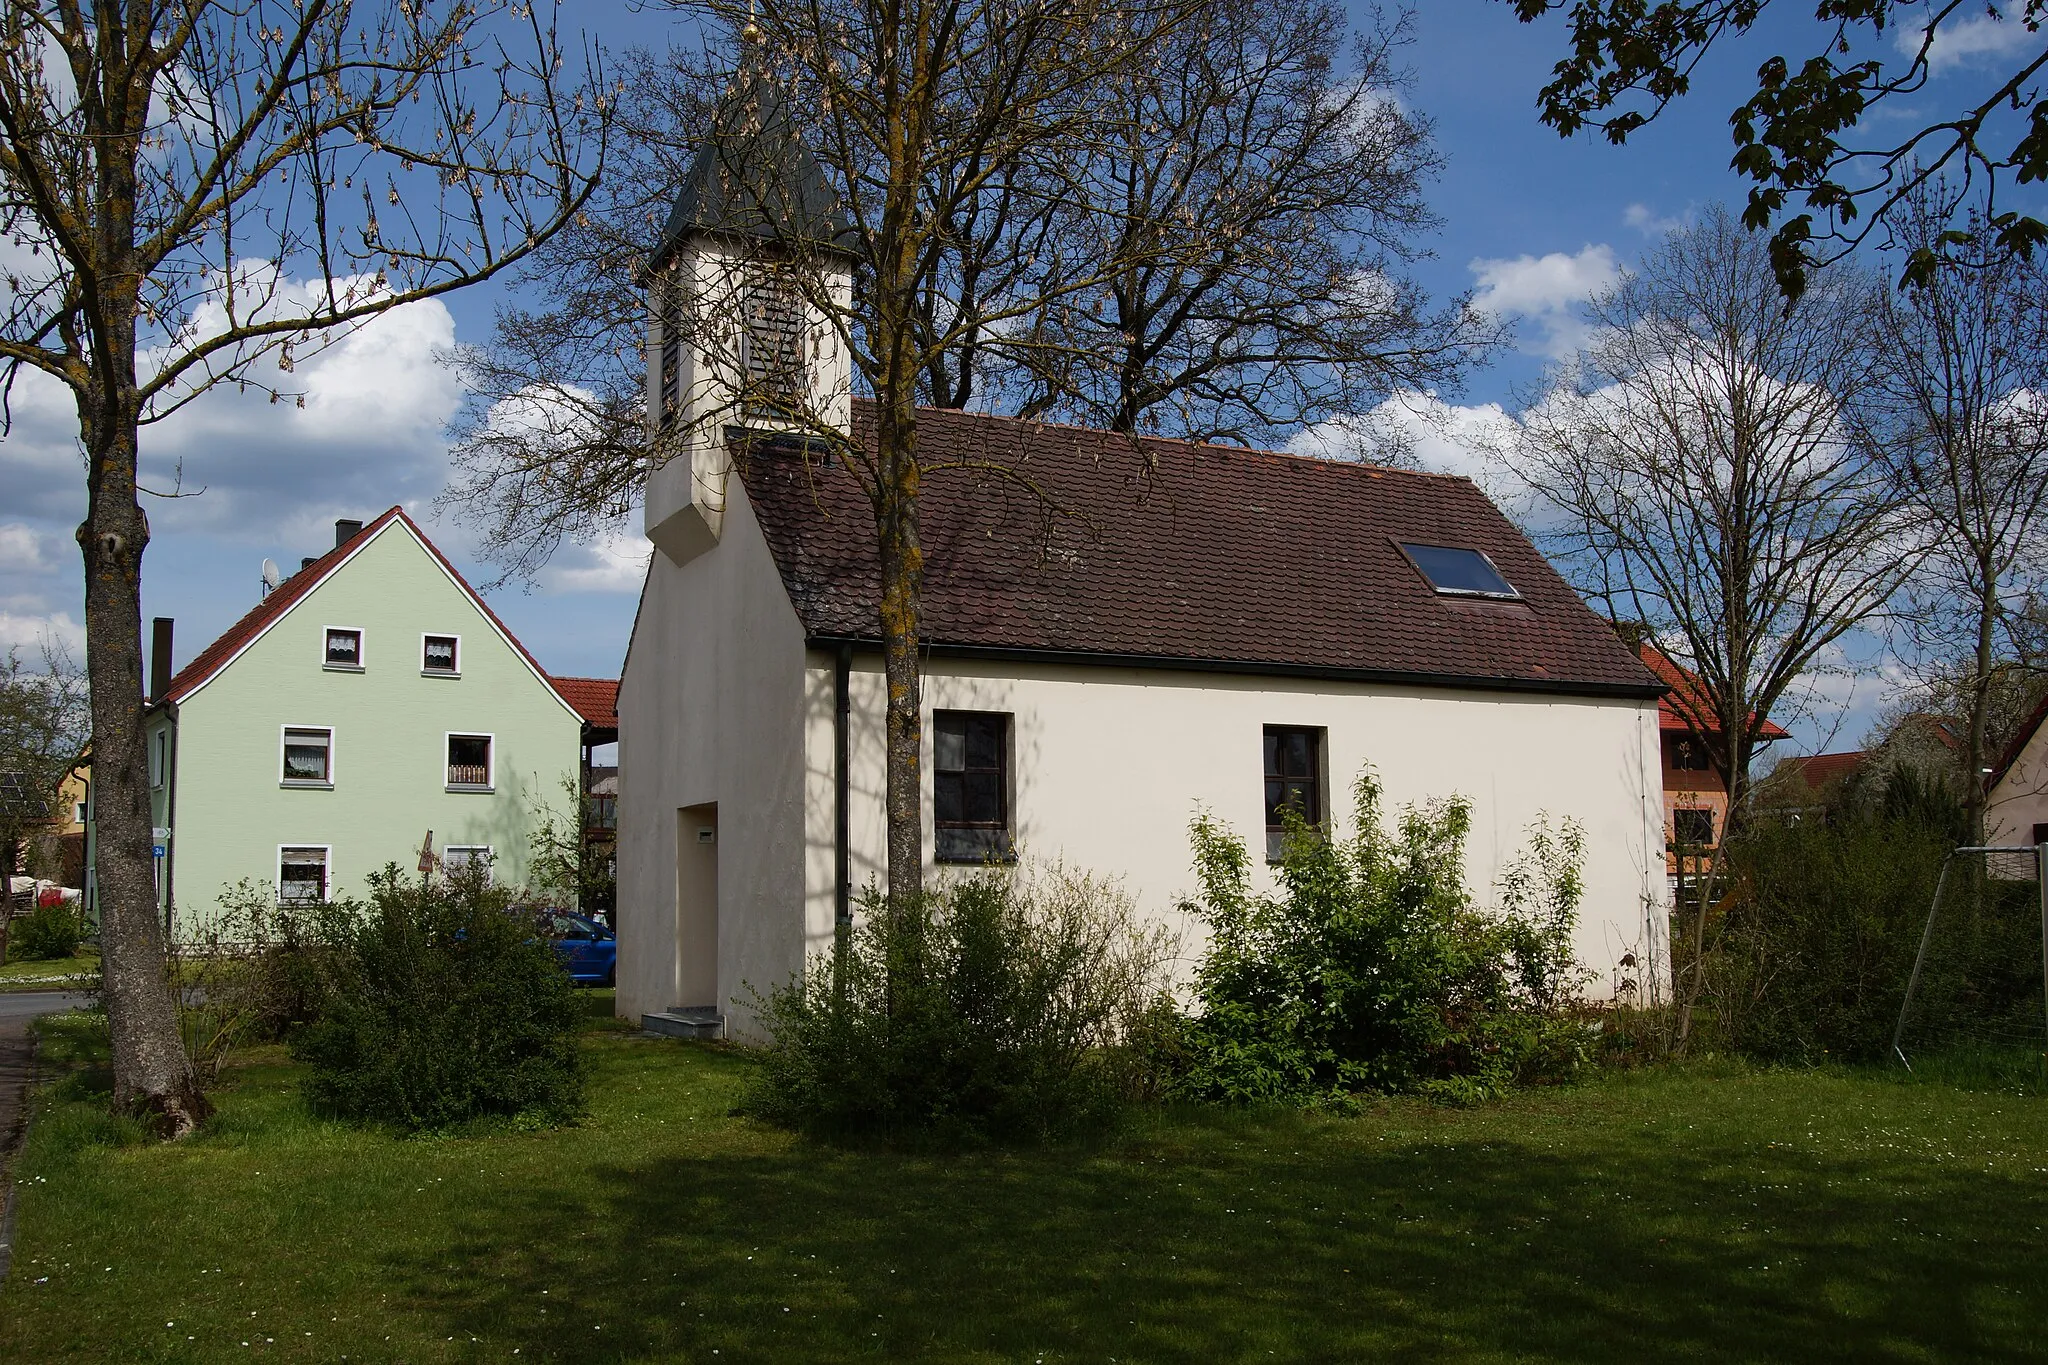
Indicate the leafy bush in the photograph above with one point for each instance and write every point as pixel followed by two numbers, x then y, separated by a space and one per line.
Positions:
pixel 441 1007
pixel 1370 969
pixel 46 933
pixel 998 1008
pixel 253 969
pixel 1816 936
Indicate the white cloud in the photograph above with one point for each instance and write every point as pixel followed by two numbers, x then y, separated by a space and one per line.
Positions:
pixel 1548 291
pixel 1650 223
pixel 1968 41
pixel 617 563
pixel 21 550
pixel 28 632
pixel 1416 429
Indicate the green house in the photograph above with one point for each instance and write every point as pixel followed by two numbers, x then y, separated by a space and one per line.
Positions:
pixel 369 708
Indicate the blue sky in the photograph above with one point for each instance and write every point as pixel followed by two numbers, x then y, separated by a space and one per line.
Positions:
pixel 1529 219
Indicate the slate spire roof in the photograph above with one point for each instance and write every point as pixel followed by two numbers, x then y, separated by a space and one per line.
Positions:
pixel 752 176
pixel 1063 543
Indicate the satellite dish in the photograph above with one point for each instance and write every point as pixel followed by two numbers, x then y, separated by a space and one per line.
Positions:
pixel 270 576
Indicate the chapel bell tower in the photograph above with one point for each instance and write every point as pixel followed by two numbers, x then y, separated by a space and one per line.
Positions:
pixel 738 337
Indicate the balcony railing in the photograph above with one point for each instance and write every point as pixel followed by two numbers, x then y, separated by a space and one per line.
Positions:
pixel 469 774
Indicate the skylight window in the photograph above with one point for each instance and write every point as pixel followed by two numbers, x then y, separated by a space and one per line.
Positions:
pixel 1458 572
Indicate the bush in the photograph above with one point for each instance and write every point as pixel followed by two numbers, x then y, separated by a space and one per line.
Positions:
pixel 46 933
pixel 253 969
pixel 1370 970
pixel 996 1009
pixel 441 1007
pixel 1812 946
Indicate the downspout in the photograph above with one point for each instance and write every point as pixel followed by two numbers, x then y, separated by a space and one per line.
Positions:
pixel 842 879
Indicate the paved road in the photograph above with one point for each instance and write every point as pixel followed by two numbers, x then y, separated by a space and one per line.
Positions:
pixel 18 1007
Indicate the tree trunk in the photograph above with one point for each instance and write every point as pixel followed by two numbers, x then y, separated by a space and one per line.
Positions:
pixel 901 618
pixel 1980 702
pixel 153 1079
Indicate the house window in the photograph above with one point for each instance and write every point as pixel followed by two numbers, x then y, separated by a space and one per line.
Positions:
pixel 441 654
pixel 344 648
pixel 308 757
pixel 600 812
pixel 1458 572
pixel 469 762
pixel 971 786
pixel 1294 781
pixel 159 757
pixel 2040 834
pixel 301 876
pixel 773 362
pixel 1691 828
pixel 458 859
pixel 1689 755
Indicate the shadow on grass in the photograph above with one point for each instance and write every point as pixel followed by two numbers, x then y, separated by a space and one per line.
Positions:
pixel 1225 1237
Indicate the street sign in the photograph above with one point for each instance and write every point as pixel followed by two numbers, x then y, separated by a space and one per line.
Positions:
pixel 156 850
pixel 159 834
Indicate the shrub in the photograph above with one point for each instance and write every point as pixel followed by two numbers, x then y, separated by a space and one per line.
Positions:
pixel 1370 970
pixel 1816 937
pixel 46 933
pixel 253 969
pixel 442 1007
pixel 995 1009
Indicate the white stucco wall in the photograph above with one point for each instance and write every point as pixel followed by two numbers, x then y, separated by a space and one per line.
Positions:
pixel 2020 800
pixel 710 704
pixel 1109 766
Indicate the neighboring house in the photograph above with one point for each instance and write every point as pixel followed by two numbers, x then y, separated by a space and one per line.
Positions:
pixel 370 702
pixel 1198 628
pixel 2016 789
pixel 597 701
pixel 1695 794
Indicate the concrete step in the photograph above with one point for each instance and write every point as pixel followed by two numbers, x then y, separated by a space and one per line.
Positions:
pixel 701 1022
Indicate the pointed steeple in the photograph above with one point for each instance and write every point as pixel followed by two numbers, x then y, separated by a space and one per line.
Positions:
pixel 753 177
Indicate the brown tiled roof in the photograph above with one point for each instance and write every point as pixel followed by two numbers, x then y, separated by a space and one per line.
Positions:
pixel 1688 697
pixel 594 699
pixel 1182 555
pixel 280 599
pixel 1818 770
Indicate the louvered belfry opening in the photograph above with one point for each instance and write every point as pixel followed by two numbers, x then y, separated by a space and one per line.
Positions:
pixel 776 379
pixel 668 287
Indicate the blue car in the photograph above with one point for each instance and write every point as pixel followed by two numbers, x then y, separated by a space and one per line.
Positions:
pixel 587 948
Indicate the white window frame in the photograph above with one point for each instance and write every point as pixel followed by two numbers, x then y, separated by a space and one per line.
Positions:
pixel 159 757
pixel 426 672
pixel 490 783
pixel 326 876
pixel 490 859
pixel 307 783
pixel 361 646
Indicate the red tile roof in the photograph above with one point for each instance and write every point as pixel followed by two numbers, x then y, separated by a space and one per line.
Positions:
pixel 594 699
pixel 1819 770
pixel 280 599
pixel 1181 555
pixel 1688 697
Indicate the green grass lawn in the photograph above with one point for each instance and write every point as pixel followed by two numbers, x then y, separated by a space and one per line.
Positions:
pixel 64 973
pixel 1706 1213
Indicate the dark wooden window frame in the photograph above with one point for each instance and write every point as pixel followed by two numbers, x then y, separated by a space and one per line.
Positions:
pixel 1312 783
pixel 956 839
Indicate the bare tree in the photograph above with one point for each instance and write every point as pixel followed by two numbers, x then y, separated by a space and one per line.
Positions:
pixel 169 164
pixel 43 727
pixel 1961 409
pixel 1698 473
pixel 1262 200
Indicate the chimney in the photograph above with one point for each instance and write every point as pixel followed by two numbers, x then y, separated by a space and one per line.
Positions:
pixel 345 531
pixel 159 658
